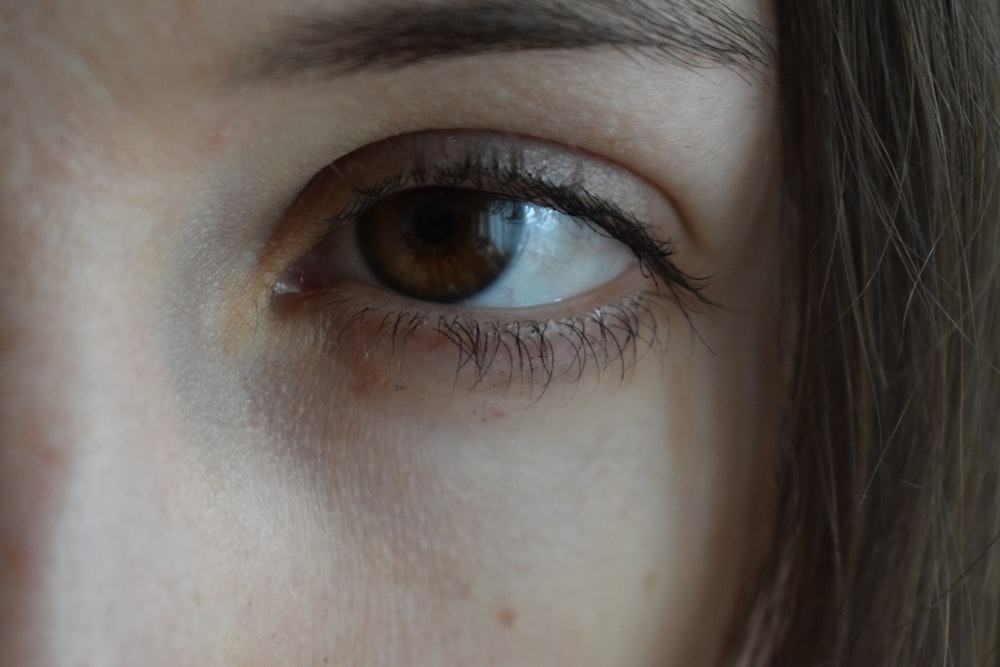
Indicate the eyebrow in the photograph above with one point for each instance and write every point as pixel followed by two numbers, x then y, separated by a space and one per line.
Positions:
pixel 401 33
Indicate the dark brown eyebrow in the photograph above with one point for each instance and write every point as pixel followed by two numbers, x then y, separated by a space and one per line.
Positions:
pixel 399 33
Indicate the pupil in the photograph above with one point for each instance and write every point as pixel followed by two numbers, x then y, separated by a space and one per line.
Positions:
pixel 433 223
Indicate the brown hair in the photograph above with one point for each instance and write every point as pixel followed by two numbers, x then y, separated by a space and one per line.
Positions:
pixel 887 549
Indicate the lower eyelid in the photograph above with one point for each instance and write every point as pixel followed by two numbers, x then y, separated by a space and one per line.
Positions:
pixel 354 332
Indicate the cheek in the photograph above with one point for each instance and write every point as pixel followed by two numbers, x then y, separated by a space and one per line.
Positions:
pixel 571 527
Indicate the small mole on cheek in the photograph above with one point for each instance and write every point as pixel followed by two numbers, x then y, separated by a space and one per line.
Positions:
pixel 648 582
pixel 507 617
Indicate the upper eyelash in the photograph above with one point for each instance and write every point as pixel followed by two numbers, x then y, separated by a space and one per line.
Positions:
pixel 511 180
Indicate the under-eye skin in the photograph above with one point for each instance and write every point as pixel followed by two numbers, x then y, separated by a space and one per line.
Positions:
pixel 498 260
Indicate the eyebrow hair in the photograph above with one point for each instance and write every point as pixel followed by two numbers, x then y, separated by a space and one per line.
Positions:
pixel 400 33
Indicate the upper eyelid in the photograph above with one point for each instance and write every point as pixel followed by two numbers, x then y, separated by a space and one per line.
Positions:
pixel 506 173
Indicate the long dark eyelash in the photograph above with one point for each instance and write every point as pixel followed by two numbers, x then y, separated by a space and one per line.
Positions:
pixel 507 178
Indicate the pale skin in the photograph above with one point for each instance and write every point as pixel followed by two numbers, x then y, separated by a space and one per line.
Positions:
pixel 191 475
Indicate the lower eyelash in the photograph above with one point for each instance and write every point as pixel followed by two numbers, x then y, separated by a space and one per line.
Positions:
pixel 527 355
pixel 611 339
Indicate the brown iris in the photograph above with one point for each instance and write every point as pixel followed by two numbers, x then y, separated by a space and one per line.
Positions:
pixel 441 244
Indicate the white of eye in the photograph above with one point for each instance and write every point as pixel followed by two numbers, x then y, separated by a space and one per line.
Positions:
pixel 560 258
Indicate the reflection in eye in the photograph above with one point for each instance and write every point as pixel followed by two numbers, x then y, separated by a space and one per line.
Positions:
pixel 452 244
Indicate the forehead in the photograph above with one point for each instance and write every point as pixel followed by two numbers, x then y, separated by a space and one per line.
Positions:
pixel 153 91
pixel 101 58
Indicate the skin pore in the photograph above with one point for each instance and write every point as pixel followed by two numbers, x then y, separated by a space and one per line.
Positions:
pixel 194 471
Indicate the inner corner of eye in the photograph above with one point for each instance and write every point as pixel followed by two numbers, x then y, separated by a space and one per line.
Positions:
pixel 308 273
pixel 292 281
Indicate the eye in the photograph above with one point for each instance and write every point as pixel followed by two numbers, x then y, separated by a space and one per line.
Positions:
pixel 457 245
pixel 480 221
pixel 482 255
